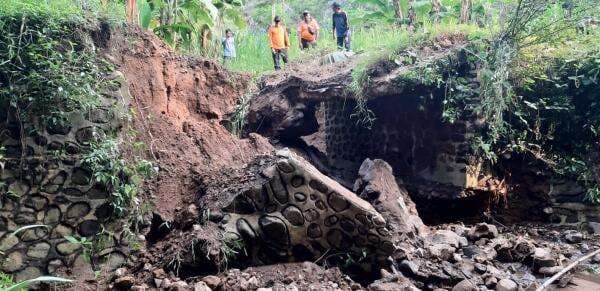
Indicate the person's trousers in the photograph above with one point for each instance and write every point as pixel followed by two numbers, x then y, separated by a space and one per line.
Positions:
pixel 306 44
pixel 278 56
pixel 343 42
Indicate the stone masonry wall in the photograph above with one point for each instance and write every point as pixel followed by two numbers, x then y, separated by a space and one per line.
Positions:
pixel 55 190
pixel 409 134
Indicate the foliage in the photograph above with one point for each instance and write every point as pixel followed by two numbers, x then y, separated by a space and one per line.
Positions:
pixel 120 177
pixel 24 284
pixel 47 58
pixel 191 25
pixel 85 244
pixel 230 247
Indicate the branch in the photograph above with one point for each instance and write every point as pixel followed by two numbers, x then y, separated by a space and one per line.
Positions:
pixel 565 270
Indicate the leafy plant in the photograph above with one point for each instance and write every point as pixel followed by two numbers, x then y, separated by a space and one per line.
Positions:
pixel 85 243
pixel 120 177
pixel 7 284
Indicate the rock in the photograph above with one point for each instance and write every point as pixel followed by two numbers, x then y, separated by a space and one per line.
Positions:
pixel 574 237
pixel 38 250
pixel 376 183
pixel 8 242
pixel 594 226
pixel 543 258
pixel 124 283
pixel 264 289
pixel 13 262
pixel 464 285
pixel 448 237
pixel 211 281
pixel 549 271
pixel 491 281
pixel 506 285
pixel 179 286
pixel 159 273
pixel 67 248
pixel 482 230
pixel 409 267
pixel 441 251
pixel 27 273
pixel 201 286
pixel 596 259
pixel 142 287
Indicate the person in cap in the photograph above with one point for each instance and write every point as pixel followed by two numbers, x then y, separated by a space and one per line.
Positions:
pixel 279 42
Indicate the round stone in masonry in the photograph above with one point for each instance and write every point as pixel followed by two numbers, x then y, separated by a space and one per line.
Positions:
pixel 89 228
pixel 383 231
pixel 274 230
pixel 245 230
pixel 337 202
pixel 318 185
pixel 338 239
pixel 331 220
pixel 320 204
pixel 314 231
pixel 311 215
pixel 285 167
pixel 78 210
pixel 81 176
pixel 13 262
pixel 297 181
pixel 66 248
pixel 27 273
pixel 37 202
pixel 39 250
pixel 347 224
pixel 300 197
pixel 294 215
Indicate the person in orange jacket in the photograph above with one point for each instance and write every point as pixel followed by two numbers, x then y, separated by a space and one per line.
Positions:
pixel 308 31
pixel 279 41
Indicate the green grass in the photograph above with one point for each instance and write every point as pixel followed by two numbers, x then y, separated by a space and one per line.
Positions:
pixel 254 54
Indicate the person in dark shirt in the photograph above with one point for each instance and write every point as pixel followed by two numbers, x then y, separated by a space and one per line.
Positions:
pixel 341 29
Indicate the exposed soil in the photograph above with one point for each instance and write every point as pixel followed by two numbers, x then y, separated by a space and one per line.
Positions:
pixel 179 105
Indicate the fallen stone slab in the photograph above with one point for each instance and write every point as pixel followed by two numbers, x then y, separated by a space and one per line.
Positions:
pixel 298 212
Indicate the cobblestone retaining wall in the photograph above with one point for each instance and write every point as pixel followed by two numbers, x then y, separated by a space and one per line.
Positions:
pixel 44 183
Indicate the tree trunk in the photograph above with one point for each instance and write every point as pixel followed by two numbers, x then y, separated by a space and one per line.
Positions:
pixel 465 11
pixel 398 11
pixel 412 15
pixel 131 11
pixel 436 7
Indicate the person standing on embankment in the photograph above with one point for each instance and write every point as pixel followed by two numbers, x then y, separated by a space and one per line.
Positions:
pixel 279 41
pixel 341 29
pixel 308 31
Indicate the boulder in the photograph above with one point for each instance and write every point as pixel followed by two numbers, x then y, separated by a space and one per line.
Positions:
pixel 574 237
pixel 506 285
pixel 482 230
pixel 377 184
pixel 201 286
pixel 212 281
pixel 464 285
pixel 542 257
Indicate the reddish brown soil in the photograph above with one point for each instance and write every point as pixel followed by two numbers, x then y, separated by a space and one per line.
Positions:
pixel 179 104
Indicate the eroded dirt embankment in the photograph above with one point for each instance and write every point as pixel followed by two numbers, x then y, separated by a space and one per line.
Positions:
pixel 207 176
pixel 179 106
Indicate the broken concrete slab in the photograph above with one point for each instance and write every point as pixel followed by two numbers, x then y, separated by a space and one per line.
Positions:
pixel 301 213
